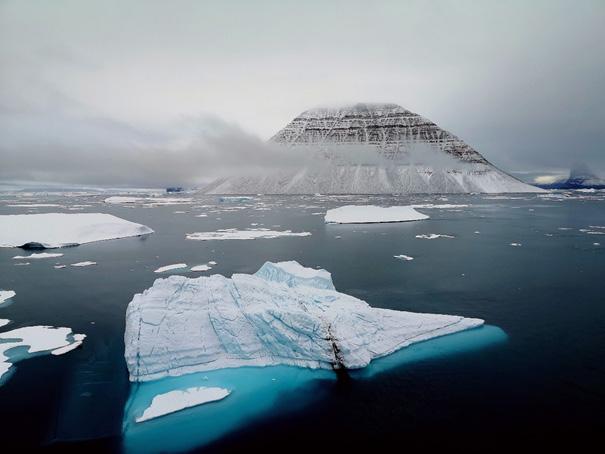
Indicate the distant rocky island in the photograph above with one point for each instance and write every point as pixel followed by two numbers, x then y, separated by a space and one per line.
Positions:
pixel 401 152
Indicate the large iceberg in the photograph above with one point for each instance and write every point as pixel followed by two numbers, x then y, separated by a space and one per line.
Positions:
pixel 54 230
pixel 284 314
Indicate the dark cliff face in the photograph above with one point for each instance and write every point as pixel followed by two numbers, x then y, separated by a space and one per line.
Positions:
pixel 389 127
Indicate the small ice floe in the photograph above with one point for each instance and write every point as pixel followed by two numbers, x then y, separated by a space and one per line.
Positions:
pixel 58 267
pixel 173 401
pixel 367 214
pixel 201 215
pixel 201 268
pixel 176 266
pixel 81 264
pixel 433 236
pixel 37 339
pixel 179 212
pixel 147 201
pixel 248 234
pixel 3 322
pixel 5 295
pixel 477 232
pixel 212 262
pixel 22 264
pixel 54 230
pixel 564 228
pixel 41 255
pixel 516 244
pixel 596 244
pixel 407 258
pixel 36 205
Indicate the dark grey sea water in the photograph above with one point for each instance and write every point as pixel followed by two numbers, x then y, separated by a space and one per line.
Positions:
pixel 544 386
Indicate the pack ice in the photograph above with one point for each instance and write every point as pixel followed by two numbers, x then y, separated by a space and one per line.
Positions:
pixel 54 230
pixel 283 314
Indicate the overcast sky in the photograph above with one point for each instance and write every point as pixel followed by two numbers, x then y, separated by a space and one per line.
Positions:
pixel 90 81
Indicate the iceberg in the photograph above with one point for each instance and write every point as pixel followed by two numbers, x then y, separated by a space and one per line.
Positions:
pixel 433 236
pixel 55 230
pixel 284 314
pixel 366 214
pixel 173 401
pixel 404 257
pixel 82 264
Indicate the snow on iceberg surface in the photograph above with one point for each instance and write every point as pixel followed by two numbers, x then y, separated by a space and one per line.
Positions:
pixel 53 230
pixel 284 314
pixel 365 214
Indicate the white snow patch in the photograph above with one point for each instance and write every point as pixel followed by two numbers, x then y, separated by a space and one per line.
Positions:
pixel 173 401
pixel 53 230
pixel 366 214
pixel 248 234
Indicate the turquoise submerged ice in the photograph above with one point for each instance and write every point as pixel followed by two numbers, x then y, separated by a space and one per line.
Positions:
pixel 284 314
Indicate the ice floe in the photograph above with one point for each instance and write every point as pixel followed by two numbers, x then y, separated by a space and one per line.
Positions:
pixel 433 236
pixel 82 264
pixel 148 201
pixel 404 257
pixel 54 230
pixel 516 244
pixel 247 234
pixel 173 401
pixel 41 255
pixel 5 295
pixel 283 314
pixel 366 214
pixel 176 266
pixel 201 268
pixel 36 339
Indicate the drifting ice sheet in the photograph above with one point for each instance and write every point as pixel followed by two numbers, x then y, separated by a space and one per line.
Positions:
pixel 41 255
pixel 249 234
pixel 283 314
pixel 365 214
pixel 53 230
pixel 5 295
pixel 173 401
pixel 37 339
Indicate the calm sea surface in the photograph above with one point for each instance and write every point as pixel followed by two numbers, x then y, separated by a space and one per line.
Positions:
pixel 545 384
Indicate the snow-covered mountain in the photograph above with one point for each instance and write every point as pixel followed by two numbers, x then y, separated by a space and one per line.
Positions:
pixel 373 149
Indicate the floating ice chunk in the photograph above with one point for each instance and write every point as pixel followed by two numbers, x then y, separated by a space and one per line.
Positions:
pixel 181 325
pixel 148 201
pixel 35 205
pixel 3 322
pixel 173 401
pixel 433 236
pixel 176 266
pixel 37 339
pixel 53 230
pixel 293 274
pixel 248 234
pixel 212 262
pixel 404 257
pixel 6 295
pixel 516 244
pixel 366 214
pixel 201 268
pixel 235 199
pixel 58 267
pixel 81 264
pixel 41 255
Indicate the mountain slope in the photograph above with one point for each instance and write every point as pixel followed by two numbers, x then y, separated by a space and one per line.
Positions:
pixel 374 148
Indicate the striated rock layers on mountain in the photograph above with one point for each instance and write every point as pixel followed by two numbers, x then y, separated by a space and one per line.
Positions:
pixel 373 149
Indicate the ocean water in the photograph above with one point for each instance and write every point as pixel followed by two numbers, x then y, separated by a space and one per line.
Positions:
pixel 536 373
